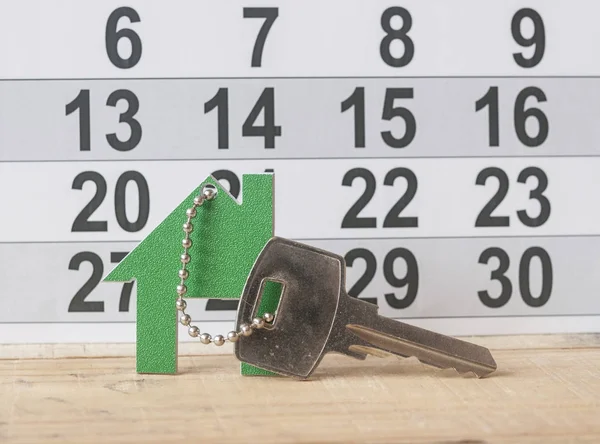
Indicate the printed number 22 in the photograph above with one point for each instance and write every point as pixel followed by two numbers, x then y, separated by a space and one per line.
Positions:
pixel 393 218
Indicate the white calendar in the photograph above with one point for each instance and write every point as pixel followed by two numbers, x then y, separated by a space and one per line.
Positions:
pixel 449 150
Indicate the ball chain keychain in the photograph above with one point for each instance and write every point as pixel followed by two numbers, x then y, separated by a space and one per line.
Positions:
pixel 209 192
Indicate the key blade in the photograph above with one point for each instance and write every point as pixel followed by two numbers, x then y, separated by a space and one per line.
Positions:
pixel 428 347
pixel 360 329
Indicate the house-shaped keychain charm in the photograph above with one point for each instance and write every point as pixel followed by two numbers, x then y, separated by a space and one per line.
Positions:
pixel 227 237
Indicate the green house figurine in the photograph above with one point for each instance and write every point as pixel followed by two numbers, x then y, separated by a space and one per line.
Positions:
pixel 226 239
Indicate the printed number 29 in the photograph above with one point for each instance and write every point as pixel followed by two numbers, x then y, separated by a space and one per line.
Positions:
pixel 410 280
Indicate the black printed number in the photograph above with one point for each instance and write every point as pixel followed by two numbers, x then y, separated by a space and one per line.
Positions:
pixel 537 39
pixel 390 110
pixel 485 218
pixel 400 34
pixel 506 288
pixel 78 303
pixel 265 105
pixel 269 14
pixel 367 276
pixel 82 221
pixel 393 218
pixel 410 280
pixel 127 117
pixel 81 103
pixel 113 36
pixel 125 297
pixel 232 180
pixel 521 116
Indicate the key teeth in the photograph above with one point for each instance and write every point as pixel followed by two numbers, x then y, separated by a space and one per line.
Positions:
pixel 463 373
pixel 472 373
pixel 489 369
pixel 361 352
pixel 485 366
pixel 356 354
pixel 451 353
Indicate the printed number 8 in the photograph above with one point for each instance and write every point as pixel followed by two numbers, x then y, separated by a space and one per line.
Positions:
pixel 396 34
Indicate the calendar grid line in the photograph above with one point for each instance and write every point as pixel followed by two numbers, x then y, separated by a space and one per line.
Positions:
pixel 229 78
pixel 523 236
pixel 416 318
pixel 245 159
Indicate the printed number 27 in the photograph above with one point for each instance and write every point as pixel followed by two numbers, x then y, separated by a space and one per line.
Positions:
pixel 78 303
pixel 269 14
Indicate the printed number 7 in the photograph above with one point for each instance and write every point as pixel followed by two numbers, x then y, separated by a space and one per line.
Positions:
pixel 269 14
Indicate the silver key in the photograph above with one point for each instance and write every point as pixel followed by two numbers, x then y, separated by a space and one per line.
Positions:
pixel 315 316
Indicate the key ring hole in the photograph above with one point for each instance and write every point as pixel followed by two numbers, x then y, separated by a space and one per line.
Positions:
pixel 269 297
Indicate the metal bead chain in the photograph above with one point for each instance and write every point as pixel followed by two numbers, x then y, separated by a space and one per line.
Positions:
pixel 209 192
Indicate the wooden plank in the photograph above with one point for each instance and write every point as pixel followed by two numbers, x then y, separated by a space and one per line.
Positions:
pixel 91 350
pixel 538 394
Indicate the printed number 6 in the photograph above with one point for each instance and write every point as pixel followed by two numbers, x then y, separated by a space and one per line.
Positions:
pixel 113 36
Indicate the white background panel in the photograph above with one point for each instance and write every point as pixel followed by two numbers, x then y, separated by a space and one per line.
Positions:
pixel 185 38
pixel 315 55
pixel 119 333
pixel 407 278
pixel 310 201
pixel 170 121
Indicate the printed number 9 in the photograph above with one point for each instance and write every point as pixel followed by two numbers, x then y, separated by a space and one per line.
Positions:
pixel 538 38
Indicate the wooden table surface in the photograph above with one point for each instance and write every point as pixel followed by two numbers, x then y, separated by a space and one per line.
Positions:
pixel 546 389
